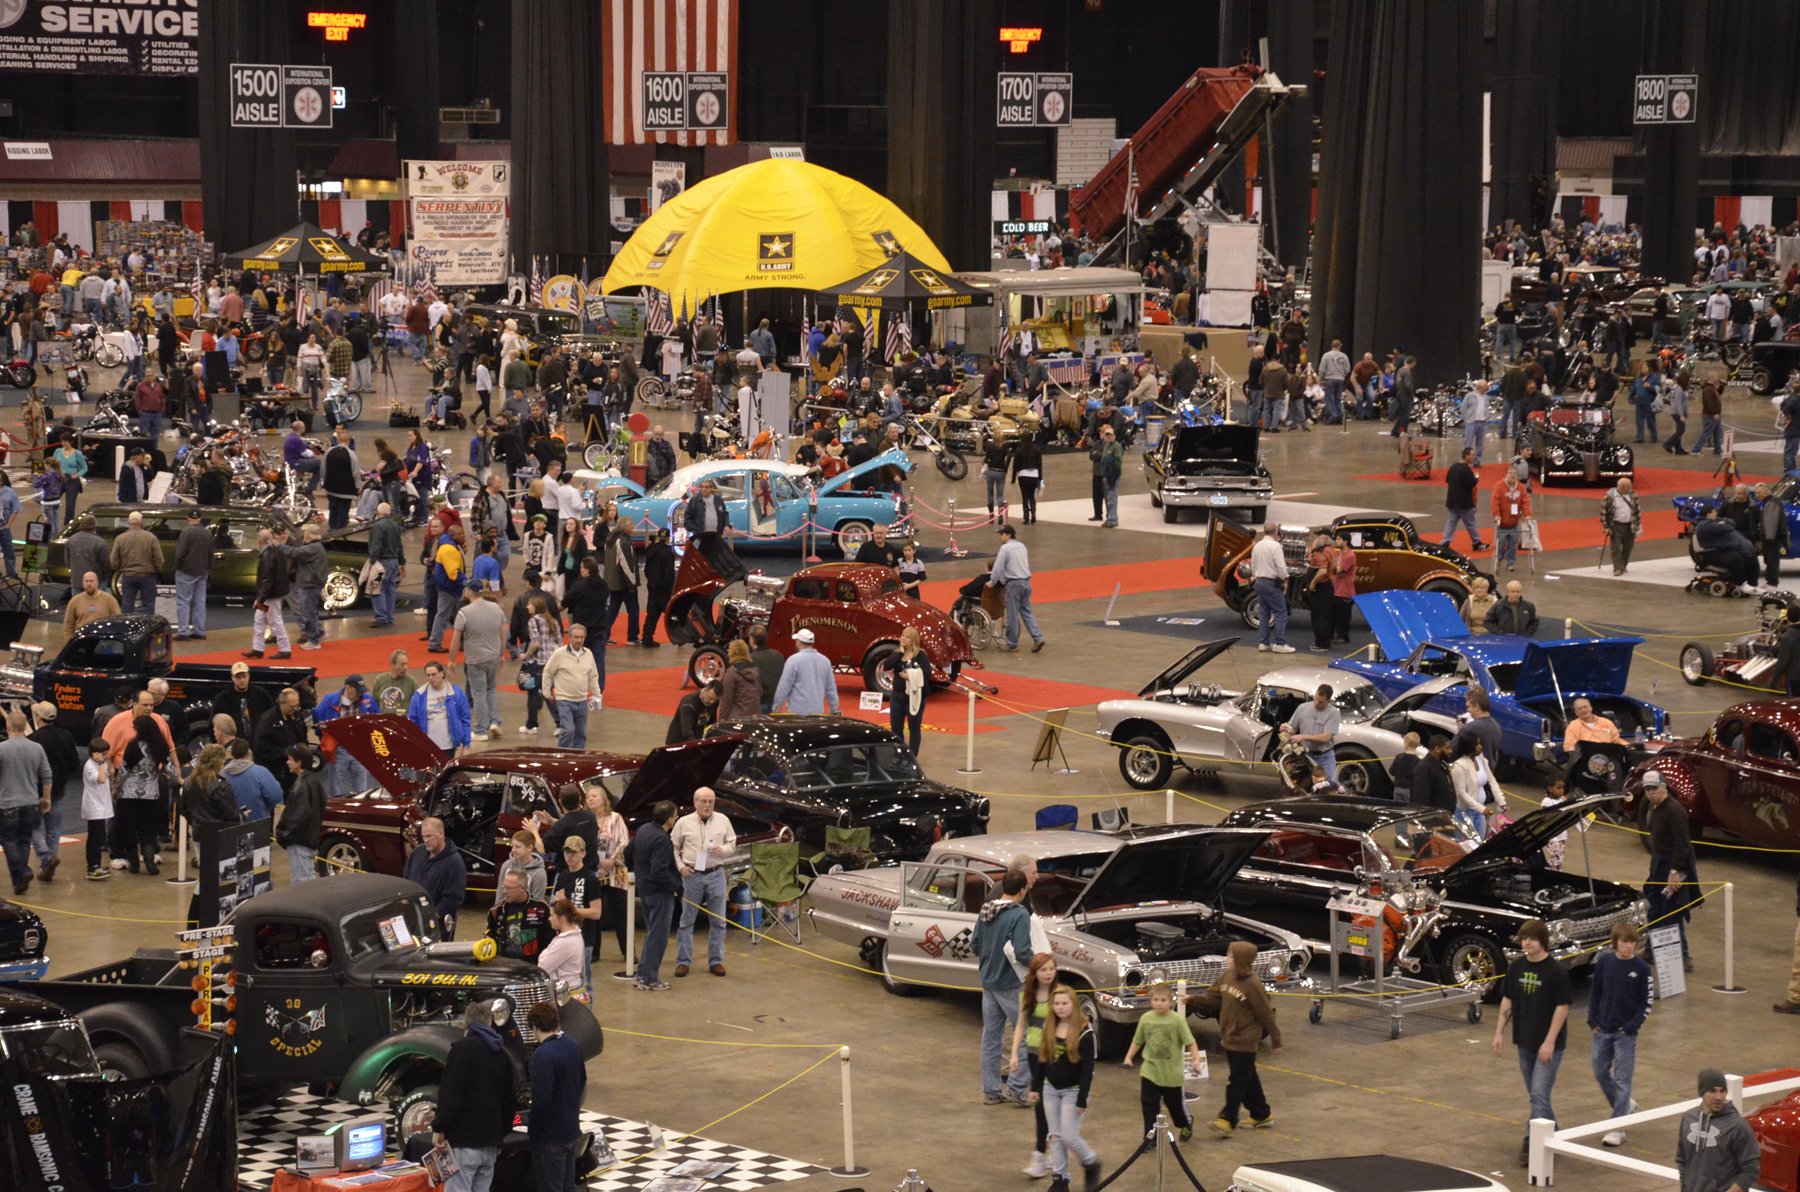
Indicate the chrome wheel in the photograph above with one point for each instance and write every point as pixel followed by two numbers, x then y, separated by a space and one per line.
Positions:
pixel 850 537
pixel 1146 763
pixel 343 857
pixel 978 627
pixel 339 592
pixel 1696 663
pixel 1474 962
pixel 708 666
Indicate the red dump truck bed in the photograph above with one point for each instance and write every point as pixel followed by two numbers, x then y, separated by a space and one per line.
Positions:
pixel 1168 145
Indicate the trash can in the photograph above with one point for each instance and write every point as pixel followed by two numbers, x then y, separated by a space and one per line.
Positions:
pixel 743 909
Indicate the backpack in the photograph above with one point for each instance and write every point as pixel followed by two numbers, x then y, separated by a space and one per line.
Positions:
pixel 1110 466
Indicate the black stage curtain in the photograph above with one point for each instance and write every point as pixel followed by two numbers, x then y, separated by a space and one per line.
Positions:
pixel 412 71
pixel 1750 77
pixel 1522 122
pixel 942 61
pixel 1398 258
pixel 560 206
pixel 1290 157
pixel 247 184
pixel 1674 40
pixel 1601 44
pixel 1235 42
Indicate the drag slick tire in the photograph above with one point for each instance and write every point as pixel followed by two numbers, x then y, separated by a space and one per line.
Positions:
pixel 416 1112
pixel 1697 664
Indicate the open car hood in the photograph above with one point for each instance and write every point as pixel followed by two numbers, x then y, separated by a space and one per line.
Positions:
pixel 391 747
pixel 1187 664
pixel 1526 836
pixel 1592 664
pixel 1236 440
pixel 842 480
pixel 1415 698
pixel 672 772
pixel 1402 620
pixel 1190 866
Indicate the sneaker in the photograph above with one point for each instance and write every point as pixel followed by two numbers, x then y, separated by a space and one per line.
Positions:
pixel 527 732
pixel 1060 1184
pixel 1187 1133
pixel 993 1098
pixel 1281 648
pixel 1038 645
pixel 1262 1123
pixel 47 871
pixel 1022 1100
pixel 1634 1105
pixel 1221 1126
pixel 1319 649
pixel 99 874
pixel 653 986
pixel 495 732
pixel 1262 647
pixel 1613 1138
pixel 478 734
pixel 418 612
pixel 1039 1167
pixel 119 862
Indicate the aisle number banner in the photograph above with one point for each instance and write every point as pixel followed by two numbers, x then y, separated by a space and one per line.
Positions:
pixel 464 240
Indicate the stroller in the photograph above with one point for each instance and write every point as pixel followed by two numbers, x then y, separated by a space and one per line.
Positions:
pixel 980 610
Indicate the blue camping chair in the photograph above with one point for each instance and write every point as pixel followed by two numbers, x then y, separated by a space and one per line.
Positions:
pixel 1058 815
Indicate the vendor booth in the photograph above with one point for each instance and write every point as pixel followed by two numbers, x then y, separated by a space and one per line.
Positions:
pixel 1082 318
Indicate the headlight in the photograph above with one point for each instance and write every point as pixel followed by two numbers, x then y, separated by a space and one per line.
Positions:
pixel 1560 931
pixel 1640 911
pixel 562 991
pixel 1274 970
pixel 1132 979
pixel 502 1010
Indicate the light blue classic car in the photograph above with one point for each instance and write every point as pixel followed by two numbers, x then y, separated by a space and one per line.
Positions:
pixel 769 499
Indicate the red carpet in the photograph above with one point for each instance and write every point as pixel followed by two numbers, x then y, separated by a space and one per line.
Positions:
pixel 1647 481
pixel 1088 583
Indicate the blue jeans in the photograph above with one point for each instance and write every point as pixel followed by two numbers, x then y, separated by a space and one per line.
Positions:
pixel 1064 1126
pixel 390 586
pixel 302 863
pixel 1539 1079
pixel 1788 447
pixel 1366 403
pixel 190 603
pixel 347 774
pixel 705 887
pixel 1465 517
pixel 436 407
pixel 306 609
pixel 48 838
pixel 419 345
pixel 1475 435
pixel 1254 398
pixel 1474 821
pixel 444 619
pixel 484 706
pixel 138 592
pixel 1646 418
pixel 1334 401
pixel 150 422
pixel 1112 501
pixel 1271 628
pixel 16 826
pixel 1506 341
pixel 1506 545
pixel 1512 420
pixel 1326 761
pixel 996 488
pixel 627 600
pixel 1018 608
pixel 1710 431
pixel 314 467
pixel 999 1014
pixel 571 725
pixel 659 909
pixel 552 1163
pixel 1615 1059
pixel 475 1169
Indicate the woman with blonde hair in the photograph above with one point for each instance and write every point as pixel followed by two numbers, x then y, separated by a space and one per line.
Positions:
pixel 609 864
pixel 908 670
pixel 1475 608
pixel 206 798
pixel 743 684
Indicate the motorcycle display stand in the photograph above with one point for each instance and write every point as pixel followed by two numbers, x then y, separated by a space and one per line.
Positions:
pixel 1393 992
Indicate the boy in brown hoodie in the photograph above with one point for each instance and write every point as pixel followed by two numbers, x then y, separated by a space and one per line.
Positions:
pixel 1242 1004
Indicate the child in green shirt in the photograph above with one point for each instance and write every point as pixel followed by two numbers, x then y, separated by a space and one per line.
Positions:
pixel 1163 1036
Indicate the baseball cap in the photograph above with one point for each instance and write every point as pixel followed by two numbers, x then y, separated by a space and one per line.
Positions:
pixel 1653 778
pixel 575 844
pixel 45 710
pixel 356 679
pixel 240 668
pixel 805 637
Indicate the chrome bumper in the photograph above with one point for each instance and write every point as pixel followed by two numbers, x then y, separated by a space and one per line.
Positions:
pixel 1203 498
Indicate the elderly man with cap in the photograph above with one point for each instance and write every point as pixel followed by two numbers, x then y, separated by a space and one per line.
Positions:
pixel 193 568
pixel 807 684
pixel 347 775
pixel 1012 575
pixel 1672 887
pixel 58 744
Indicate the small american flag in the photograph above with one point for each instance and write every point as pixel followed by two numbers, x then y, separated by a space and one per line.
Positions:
pixel 719 318
pixel 535 296
pixel 805 335
pixel 656 314
pixel 871 334
pixel 197 288
pixel 1006 332
pixel 899 337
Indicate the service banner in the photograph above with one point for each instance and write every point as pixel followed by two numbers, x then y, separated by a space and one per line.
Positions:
pixel 455 179
pixel 463 239
pixel 111 38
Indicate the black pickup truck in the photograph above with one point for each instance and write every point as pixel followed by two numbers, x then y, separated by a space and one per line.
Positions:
pixel 341 982
pixel 114 653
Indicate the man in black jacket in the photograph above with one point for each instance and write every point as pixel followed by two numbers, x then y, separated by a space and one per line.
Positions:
pixel 477 1098
pixel 341 484
pixel 280 729
pixel 659 584
pixel 1431 781
pixel 242 702
pixel 193 568
pixel 694 714
pixel 1672 887
pixel 1514 614
pixel 1461 482
pixel 271 589
pixel 651 858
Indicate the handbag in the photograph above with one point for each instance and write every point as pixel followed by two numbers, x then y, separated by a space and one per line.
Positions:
pixel 530 675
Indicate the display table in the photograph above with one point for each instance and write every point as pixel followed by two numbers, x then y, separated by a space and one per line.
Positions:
pixel 414 1180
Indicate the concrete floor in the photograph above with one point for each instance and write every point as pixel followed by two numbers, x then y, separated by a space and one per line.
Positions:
pixel 687 1059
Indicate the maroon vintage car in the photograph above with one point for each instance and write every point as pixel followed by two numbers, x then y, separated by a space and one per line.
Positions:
pixel 1777 1129
pixel 483 798
pixel 1741 779
pixel 855 611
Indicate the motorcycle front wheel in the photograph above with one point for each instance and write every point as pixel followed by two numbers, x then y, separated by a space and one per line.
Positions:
pixel 952 464
pixel 21 376
pixel 108 356
pixel 256 349
pixel 595 455
pixel 349 407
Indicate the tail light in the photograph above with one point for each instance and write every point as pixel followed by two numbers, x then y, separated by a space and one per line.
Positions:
pixel 937 831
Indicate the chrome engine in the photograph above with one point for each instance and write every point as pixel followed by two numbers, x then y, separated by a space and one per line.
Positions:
pixel 756 602
pixel 18 671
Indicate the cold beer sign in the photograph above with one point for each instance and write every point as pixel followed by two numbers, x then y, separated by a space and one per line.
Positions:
pixel 1034 100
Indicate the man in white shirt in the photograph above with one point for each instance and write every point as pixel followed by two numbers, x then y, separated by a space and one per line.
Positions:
pixel 436 312
pixel 703 840
pixel 552 498
pixel 1012 575
pixel 1269 572
pixel 393 305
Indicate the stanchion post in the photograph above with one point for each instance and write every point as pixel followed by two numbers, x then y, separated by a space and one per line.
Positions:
pixel 181 877
pixel 1540 1159
pixel 630 973
pixel 1169 806
pixel 849 1167
pixel 969 760
pixel 1730 985
pixel 1568 628
pixel 1162 1134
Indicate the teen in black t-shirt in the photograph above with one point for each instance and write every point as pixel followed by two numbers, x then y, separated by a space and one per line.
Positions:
pixel 1535 999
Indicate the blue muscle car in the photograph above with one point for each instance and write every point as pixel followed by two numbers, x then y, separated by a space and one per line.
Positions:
pixel 1689 510
pixel 767 498
pixel 1532 684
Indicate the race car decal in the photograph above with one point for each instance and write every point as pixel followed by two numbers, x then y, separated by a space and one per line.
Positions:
pixel 296 1035
pixel 958 946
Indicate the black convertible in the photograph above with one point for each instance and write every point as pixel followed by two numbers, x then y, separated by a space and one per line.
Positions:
pixel 1488 888
pixel 1573 441
pixel 815 772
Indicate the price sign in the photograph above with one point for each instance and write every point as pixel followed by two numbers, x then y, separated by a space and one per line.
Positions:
pixel 665 101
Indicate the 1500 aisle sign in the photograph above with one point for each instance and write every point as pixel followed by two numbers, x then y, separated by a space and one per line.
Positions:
pixel 268 96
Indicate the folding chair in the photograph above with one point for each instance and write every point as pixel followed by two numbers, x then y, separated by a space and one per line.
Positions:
pixel 775 884
pixel 837 842
pixel 1112 819
pixel 1058 815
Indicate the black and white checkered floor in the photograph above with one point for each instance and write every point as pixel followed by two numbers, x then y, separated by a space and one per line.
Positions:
pixel 266 1144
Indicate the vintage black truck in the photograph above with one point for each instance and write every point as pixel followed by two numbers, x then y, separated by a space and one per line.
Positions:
pixel 341 983
pixel 115 653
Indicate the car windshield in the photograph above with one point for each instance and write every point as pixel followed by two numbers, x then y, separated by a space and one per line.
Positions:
pixel 56 1050
pixel 1432 840
pixel 868 764
pixel 1061 879
pixel 362 930
pixel 1358 702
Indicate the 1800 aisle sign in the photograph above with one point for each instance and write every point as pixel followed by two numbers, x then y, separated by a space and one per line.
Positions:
pixel 145 37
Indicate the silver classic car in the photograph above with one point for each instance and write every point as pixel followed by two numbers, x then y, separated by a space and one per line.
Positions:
pixel 1120 912
pixel 1209 728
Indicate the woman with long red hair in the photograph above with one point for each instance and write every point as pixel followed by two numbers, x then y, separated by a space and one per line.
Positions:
pixel 1034 1011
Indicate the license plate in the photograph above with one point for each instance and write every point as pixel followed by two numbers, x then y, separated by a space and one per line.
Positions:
pixel 1218 499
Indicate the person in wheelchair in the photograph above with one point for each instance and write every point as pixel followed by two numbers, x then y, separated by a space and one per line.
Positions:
pixel 1718 547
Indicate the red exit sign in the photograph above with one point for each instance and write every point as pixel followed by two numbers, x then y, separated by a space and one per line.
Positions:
pixel 1019 40
pixel 337 25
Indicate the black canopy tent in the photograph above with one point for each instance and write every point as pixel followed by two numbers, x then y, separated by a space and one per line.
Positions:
pixel 306 249
pixel 902 281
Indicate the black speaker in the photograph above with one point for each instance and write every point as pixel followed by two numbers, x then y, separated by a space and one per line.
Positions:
pixel 253 387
